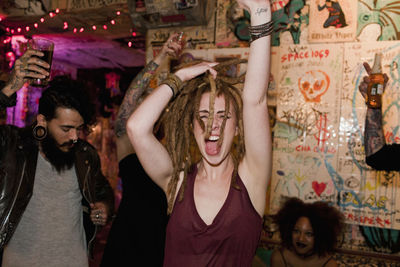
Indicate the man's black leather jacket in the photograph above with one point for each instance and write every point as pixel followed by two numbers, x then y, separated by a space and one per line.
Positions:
pixel 18 158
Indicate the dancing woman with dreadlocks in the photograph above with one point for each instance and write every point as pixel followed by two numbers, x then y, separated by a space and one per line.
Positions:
pixel 216 202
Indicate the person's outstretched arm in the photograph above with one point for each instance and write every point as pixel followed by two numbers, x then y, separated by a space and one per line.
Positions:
pixel 135 92
pixel 379 155
pixel 255 168
pixel 374 138
pixel 28 66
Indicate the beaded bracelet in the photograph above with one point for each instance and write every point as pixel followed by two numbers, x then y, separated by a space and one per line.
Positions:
pixel 174 82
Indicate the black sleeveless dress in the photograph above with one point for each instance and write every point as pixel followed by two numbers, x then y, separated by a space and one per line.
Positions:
pixel 137 234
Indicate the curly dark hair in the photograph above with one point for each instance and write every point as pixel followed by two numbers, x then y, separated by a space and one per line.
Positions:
pixel 67 93
pixel 326 221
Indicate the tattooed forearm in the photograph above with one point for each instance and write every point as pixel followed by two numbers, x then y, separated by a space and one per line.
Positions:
pixel 132 95
pixel 261 10
pixel 374 138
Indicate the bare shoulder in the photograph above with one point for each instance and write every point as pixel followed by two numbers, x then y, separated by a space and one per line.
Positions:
pixel 276 259
pixel 331 263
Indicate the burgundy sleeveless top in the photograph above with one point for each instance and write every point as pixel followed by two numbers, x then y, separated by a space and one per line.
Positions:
pixel 231 239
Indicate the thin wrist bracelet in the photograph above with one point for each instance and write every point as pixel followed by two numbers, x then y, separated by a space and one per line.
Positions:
pixel 261 30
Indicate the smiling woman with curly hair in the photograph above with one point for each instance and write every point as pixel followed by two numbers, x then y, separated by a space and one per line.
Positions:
pixel 309 234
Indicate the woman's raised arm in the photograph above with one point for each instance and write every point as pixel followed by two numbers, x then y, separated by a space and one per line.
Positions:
pixel 152 154
pixel 256 164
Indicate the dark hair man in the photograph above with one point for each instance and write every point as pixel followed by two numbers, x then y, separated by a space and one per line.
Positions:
pixel 53 194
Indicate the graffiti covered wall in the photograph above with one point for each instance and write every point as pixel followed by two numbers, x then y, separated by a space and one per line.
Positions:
pixel 318 138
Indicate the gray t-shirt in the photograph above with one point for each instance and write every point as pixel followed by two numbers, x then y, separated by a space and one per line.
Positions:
pixel 51 231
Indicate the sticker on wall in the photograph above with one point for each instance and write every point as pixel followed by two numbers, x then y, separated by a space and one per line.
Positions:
pixel 332 21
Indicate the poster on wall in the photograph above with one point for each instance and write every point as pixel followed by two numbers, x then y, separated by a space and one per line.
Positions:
pixel 378 20
pixel 366 196
pixel 308 117
pixel 332 21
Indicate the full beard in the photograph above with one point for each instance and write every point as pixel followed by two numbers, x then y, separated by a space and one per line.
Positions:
pixel 59 159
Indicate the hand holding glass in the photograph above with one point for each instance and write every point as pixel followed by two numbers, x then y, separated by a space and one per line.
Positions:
pixel 47 48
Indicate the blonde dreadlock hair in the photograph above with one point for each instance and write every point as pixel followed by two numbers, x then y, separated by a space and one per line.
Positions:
pixel 179 115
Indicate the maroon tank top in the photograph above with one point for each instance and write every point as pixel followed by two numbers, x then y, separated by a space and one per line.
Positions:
pixel 231 239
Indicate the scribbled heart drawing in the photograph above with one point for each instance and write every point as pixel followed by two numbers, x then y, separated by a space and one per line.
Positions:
pixel 314 84
pixel 318 187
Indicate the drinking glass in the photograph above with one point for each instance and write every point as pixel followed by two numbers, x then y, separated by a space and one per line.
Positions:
pixel 47 48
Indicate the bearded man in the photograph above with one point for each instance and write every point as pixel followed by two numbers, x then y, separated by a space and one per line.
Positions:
pixel 53 194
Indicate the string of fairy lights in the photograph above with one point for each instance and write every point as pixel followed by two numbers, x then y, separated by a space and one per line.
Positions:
pixel 20 30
